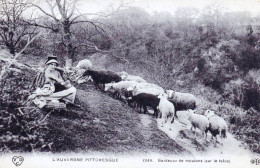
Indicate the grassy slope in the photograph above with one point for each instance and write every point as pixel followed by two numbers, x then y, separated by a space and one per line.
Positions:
pixel 107 125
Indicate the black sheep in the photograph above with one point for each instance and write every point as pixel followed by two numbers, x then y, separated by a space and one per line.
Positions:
pixel 144 100
pixel 102 77
pixel 182 106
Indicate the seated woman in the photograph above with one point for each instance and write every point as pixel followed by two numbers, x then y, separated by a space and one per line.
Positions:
pixel 54 88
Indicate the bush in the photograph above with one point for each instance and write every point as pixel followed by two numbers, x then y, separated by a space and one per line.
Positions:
pixel 14 88
pixel 21 128
pixel 246 129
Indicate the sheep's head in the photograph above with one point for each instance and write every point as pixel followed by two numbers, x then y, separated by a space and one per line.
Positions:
pixel 131 88
pixel 209 113
pixel 123 74
pixel 108 86
pixel 123 77
pixel 162 95
pixel 84 64
pixel 190 113
pixel 170 93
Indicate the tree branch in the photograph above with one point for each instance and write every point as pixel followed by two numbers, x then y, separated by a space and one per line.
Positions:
pixel 6 67
pixel 43 11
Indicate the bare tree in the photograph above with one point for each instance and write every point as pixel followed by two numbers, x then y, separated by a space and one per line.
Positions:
pixel 13 61
pixel 13 28
pixel 212 16
pixel 65 14
pixel 185 17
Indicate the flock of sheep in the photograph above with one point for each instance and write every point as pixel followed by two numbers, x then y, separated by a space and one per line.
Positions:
pixel 165 103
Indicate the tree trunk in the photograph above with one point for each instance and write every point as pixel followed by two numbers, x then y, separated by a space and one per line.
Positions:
pixel 70 57
pixel 10 47
pixel 12 50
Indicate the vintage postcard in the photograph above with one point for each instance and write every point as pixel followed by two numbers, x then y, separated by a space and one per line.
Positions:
pixel 129 83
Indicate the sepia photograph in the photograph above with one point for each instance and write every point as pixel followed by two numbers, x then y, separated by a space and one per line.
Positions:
pixel 129 83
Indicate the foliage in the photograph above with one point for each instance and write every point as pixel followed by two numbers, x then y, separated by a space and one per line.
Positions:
pixel 14 88
pixel 22 127
pixel 248 133
pixel 23 130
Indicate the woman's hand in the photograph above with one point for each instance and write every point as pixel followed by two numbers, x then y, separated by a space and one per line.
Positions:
pixel 67 84
pixel 57 79
pixel 60 81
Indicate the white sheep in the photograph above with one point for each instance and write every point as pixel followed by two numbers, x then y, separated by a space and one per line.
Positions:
pixel 137 89
pixel 84 64
pixel 133 78
pixel 123 73
pixel 166 108
pixel 217 125
pixel 120 87
pixel 126 77
pixel 199 121
pixel 150 85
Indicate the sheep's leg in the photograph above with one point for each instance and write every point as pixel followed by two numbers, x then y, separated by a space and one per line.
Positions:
pixel 103 87
pixel 221 140
pixel 217 139
pixel 160 114
pixel 145 109
pixel 128 102
pixel 155 112
pixel 96 85
pixel 115 95
pixel 175 114
pixel 172 121
pixel 140 107
pixel 164 119
pixel 206 132
pixel 119 95
pixel 135 105
pixel 218 136
pixel 205 136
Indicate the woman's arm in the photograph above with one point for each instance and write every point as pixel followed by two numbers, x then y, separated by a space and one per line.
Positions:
pixel 54 76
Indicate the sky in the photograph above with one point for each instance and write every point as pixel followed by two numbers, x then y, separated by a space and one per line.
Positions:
pixel 170 6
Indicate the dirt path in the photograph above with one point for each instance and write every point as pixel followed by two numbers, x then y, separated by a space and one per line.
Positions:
pixel 180 132
pixel 106 124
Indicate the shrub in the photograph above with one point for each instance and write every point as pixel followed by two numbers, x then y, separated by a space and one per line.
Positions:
pixel 14 88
